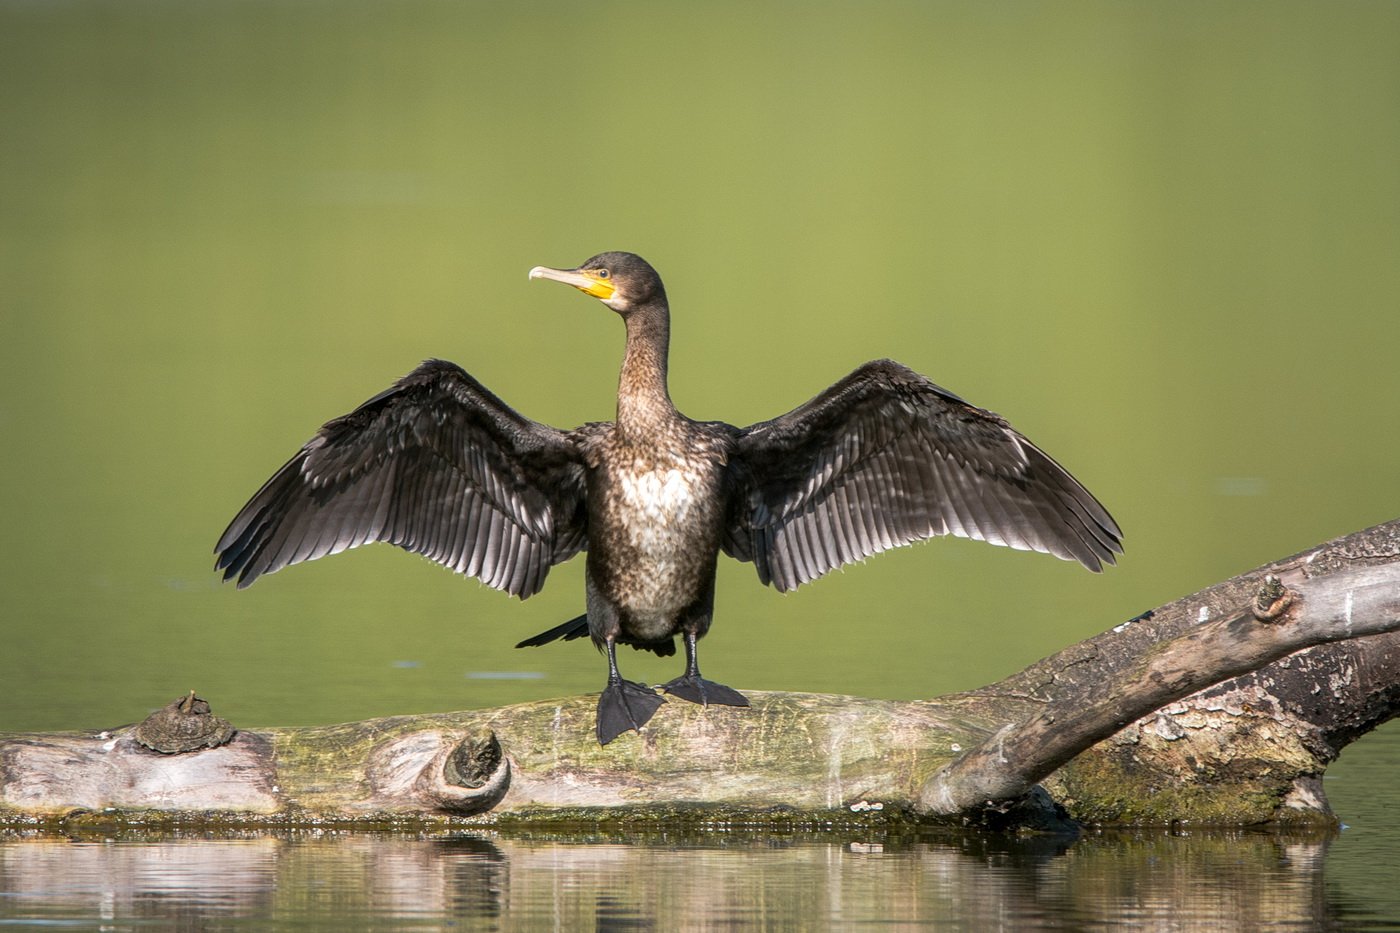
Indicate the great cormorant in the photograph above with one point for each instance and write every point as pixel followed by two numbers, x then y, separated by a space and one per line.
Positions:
pixel 438 465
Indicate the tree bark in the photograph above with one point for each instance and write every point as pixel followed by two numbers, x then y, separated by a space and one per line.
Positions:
pixel 1205 710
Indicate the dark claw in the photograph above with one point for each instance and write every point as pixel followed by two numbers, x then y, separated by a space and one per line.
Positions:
pixel 704 692
pixel 623 706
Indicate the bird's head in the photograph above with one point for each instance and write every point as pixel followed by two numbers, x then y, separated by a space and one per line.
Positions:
pixel 622 281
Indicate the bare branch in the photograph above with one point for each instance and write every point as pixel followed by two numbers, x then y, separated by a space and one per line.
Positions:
pixel 1352 604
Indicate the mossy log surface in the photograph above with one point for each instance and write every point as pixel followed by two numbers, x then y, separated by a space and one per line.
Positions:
pixel 1249 750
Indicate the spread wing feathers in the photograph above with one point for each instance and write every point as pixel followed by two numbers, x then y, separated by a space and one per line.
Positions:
pixel 436 465
pixel 885 458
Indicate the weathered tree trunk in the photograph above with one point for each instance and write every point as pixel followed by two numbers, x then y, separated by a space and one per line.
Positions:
pixel 1112 730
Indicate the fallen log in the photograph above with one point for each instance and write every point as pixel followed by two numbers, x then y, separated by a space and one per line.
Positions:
pixel 1223 708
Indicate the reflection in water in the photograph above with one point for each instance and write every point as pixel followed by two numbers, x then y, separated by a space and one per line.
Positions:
pixel 306 880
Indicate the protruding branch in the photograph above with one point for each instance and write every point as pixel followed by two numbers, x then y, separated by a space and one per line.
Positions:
pixel 1365 601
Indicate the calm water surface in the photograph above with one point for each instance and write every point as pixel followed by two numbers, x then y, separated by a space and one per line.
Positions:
pixel 331 881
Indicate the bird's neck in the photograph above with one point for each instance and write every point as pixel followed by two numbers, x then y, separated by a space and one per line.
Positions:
pixel 644 405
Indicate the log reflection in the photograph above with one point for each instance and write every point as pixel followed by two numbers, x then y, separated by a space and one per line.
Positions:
pixel 1150 881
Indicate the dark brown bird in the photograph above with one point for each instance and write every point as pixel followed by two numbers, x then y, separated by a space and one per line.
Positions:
pixel 438 465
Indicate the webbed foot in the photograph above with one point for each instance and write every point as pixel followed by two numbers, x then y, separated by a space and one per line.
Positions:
pixel 625 705
pixel 704 692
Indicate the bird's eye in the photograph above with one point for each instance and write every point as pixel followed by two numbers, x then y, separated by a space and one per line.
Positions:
pixel 602 273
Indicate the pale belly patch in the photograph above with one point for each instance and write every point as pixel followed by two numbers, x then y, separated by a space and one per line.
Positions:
pixel 661 509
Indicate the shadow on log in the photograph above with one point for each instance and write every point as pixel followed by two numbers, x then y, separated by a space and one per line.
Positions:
pixel 1223 708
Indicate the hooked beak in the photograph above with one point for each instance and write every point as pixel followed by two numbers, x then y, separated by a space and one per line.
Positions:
pixel 586 281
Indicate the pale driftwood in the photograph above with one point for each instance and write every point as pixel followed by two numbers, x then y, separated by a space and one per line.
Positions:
pixel 1248 750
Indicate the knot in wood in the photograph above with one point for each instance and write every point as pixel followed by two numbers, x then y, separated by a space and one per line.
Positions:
pixel 188 724
pixel 470 776
pixel 1272 600
pixel 474 761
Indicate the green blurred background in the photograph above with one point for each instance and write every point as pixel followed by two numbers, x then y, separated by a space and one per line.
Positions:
pixel 1163 239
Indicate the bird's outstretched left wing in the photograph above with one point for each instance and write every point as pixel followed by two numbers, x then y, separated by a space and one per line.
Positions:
pixel 885 458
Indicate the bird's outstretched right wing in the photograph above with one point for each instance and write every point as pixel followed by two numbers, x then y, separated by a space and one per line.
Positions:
pixel 437 465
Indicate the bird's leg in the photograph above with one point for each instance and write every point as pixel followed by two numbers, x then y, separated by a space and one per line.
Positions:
pixel 691 686
pixel 624 704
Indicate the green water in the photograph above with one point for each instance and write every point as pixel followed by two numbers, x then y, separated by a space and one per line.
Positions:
pixel 1161 238
pixel 307 880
